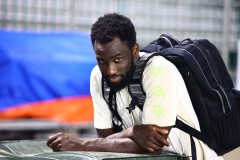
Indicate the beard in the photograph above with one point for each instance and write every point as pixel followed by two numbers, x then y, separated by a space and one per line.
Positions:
pixel 126 79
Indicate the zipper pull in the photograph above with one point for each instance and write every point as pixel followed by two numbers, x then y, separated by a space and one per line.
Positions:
pixel 186 41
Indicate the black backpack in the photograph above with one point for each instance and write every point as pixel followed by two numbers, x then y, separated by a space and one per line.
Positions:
pixel 215 101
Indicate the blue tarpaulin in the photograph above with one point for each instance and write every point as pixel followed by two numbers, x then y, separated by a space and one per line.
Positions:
pixel 38 66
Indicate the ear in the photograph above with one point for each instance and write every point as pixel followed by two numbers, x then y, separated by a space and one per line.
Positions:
pixel 135 52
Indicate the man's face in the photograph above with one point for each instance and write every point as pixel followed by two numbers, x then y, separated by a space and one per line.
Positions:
pixel 116 62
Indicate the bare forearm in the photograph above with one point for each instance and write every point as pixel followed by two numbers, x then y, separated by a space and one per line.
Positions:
pixel 124 134
pixel 123 145
pixel 67 142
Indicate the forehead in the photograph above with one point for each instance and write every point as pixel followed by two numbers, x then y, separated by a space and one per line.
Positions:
pixel 116 45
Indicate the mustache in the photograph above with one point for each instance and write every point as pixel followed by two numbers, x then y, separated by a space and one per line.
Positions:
pixel 114 75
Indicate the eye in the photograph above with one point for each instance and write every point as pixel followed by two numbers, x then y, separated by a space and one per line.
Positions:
pixel 116 60
pixel 100 61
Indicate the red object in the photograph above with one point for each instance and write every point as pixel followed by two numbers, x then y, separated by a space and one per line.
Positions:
pixel 72 110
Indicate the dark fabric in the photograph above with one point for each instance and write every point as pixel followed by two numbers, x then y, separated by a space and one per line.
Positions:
pixel 116 119
pixel 164 41
pixel 196 99
pixel 193 132
pixel 226 130
pixel 210 87
pixel 193 148
pixel 110 98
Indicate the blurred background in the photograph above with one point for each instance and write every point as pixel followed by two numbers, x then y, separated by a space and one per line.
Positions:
pixel 46 55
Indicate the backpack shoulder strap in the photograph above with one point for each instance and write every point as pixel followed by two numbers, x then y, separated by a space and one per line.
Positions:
pixel 105 90
pixel 110 97
pixel 135 88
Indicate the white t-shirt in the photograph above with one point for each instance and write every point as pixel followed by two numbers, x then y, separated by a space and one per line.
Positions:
pixel 166 99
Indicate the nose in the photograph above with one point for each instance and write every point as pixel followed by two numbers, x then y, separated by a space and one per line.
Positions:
pixel 111 69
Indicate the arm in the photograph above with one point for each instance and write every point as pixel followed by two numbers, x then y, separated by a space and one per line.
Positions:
pixel 110 134
pixel 67 142
pixel 114 142
pixel 150 138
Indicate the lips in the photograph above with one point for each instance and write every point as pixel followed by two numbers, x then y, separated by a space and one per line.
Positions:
pixel 115 79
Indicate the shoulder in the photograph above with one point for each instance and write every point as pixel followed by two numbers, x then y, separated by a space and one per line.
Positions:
pixel 96 73
pixel 158 64
pixel 96 76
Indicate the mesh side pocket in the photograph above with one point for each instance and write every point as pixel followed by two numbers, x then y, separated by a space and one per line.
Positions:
pixel 226 130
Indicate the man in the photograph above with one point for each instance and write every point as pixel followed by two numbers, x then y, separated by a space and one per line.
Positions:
pixel 117 52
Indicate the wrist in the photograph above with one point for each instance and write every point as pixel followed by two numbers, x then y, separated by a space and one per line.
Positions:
pixel 130 133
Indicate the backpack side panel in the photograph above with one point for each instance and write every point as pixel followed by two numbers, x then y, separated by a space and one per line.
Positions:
pixel 218 101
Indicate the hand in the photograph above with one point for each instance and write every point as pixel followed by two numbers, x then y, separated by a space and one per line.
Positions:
pixel 64 142
pixel 151 138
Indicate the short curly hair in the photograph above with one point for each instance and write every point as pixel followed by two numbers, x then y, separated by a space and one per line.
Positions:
pixel 113 25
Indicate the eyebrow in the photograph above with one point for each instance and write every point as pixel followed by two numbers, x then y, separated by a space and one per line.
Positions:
pixel 117 55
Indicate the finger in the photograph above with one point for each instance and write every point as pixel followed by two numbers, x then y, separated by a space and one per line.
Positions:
pixel 157 152
pixel 52 138
pixel 161 130
pixel 162 135
pixel 154 147
pixel 152 140
pixel 149 149
pixel 157 139
pixel 55 149
pixel 54 144
pixel 59 147
pixel 161 140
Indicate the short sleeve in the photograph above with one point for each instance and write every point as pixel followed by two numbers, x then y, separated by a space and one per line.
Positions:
pixel 102 114
pixel 160 81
